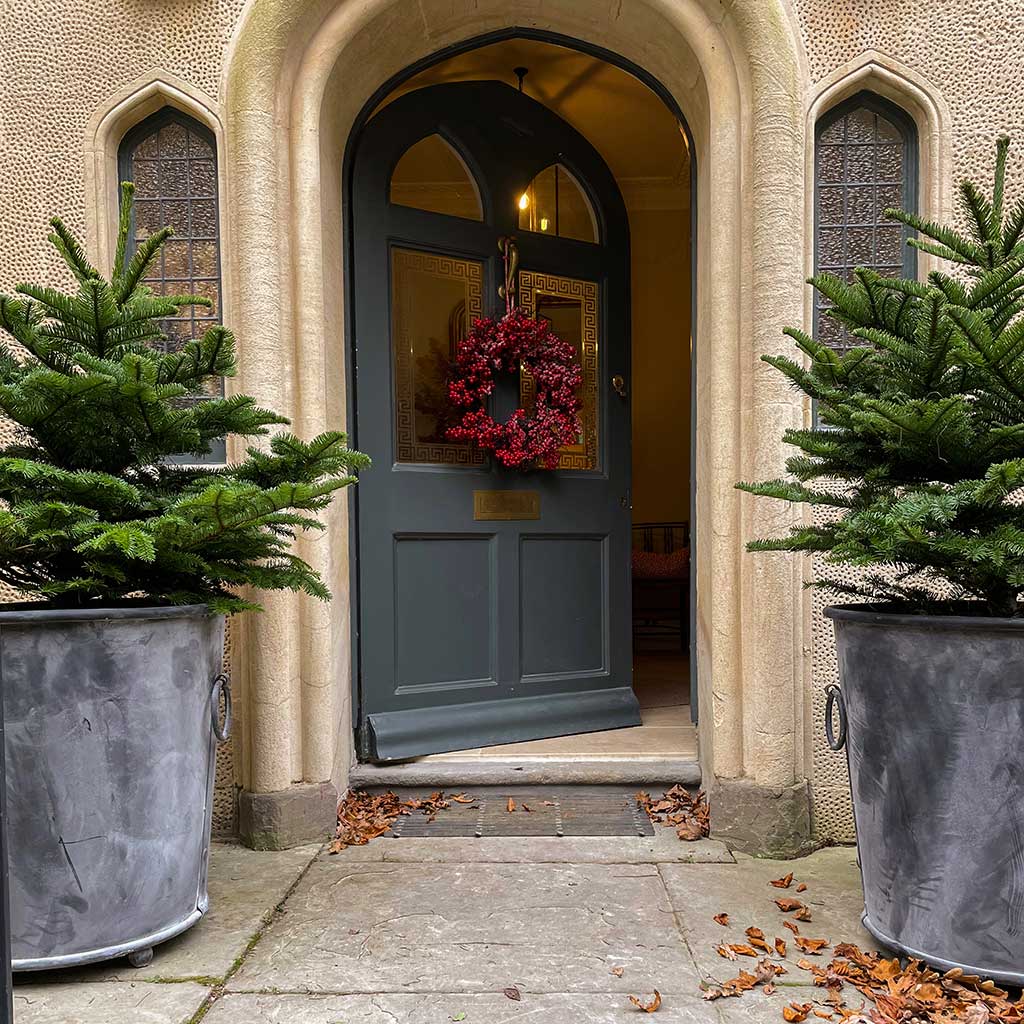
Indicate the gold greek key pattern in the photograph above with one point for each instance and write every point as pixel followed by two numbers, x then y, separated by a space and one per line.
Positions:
pixel 434 299
pixel 548 293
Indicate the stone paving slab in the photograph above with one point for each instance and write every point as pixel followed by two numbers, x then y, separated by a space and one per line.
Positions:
pixel 479 1008
pixel 661 848
pixel 368 928
pixel 757 1008
pixel 742 890
pixel 244 887
pixel 364 939
pixel 110 1003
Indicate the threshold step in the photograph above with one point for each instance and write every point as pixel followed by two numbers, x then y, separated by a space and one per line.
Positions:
pixel 528 772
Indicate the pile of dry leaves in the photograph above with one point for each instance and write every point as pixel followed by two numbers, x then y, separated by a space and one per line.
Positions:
pixel 690 815
pixel 889 992
pixel 364 816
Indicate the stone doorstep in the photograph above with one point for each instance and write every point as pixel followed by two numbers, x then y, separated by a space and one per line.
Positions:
pixel 537 771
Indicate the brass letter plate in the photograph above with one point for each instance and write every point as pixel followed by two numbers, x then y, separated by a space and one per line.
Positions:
pixel 506 505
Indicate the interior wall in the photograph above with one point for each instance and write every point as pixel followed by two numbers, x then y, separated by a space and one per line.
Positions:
pixel 660 263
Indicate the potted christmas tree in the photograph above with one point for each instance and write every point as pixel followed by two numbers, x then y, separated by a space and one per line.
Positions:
pixel 914 475
pixel 127 560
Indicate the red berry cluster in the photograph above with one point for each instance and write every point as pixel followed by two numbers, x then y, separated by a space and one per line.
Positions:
pixel 502 346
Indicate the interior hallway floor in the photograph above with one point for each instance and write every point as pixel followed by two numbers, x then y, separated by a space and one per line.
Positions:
pixel 430 931
pixel 661 681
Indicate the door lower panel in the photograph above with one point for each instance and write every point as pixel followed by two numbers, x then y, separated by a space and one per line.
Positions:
pixel 393 735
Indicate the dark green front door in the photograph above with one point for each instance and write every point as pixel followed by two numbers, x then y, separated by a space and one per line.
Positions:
pixel 493 604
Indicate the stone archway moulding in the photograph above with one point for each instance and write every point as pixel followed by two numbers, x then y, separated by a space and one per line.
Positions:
pixel 297 75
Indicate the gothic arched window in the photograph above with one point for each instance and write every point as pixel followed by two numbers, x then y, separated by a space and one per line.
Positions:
pixel 172 160
pixel 865 161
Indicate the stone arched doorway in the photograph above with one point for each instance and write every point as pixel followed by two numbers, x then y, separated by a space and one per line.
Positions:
pixel 297 77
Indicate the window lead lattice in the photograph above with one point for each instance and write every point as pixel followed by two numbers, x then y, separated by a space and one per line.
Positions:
pixel 864 163
pixel 172 161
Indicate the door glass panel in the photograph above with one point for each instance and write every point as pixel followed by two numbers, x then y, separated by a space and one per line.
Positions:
pixel 432 176
pixel 570 306
pixel 434 298
pixel 555 204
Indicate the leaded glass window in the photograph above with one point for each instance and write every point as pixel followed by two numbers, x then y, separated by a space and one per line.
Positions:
pixel 172 160
pixel 865 161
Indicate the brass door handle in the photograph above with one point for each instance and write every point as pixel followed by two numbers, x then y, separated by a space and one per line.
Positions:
pixel 619 384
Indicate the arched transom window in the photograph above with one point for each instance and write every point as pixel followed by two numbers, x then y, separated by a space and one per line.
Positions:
pixel 554 203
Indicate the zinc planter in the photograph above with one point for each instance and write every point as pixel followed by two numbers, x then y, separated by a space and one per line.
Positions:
pixel 934 724
pixel 111 732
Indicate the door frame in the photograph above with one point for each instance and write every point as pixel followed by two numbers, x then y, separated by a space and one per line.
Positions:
pixel 351 373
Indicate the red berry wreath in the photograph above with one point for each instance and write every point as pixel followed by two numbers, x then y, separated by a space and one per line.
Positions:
pixel 502 346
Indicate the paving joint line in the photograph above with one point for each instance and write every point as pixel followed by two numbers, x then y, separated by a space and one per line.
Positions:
pixel 218 991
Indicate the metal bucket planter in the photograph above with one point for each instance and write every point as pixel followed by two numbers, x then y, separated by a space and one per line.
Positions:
pixel 111 732
pixel 933 713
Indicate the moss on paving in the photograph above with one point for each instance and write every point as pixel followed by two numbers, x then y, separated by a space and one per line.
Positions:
pixel 219 985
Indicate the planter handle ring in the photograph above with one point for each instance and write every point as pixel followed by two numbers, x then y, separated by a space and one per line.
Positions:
pixel 834 700
pixel 221 685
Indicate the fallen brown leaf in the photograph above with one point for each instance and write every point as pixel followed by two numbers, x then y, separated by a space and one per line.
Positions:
pixel 363 816
pixel 792 927
pixel 783 883
pixel 722 919
pixel 803 914
pixel 788 903
pixel 651 1006
pixel 743 982
pixel 902 993
pixel 766 971
pixel 513 993
pixel 780 946
pixel 886 969
pixel 511 805
pixel 812 946
pixel 725 952
pixel 741 949
pixel 617 971
pixel 796 1012
pixel 689 815
pixel 769 988
pixel 527 809
pixel 690 830
pixel 802 887
pixel 461 798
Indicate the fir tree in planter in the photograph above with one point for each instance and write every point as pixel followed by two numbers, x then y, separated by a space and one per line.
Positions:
pixel 92 510
pixel 130 559
pixel 918 463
